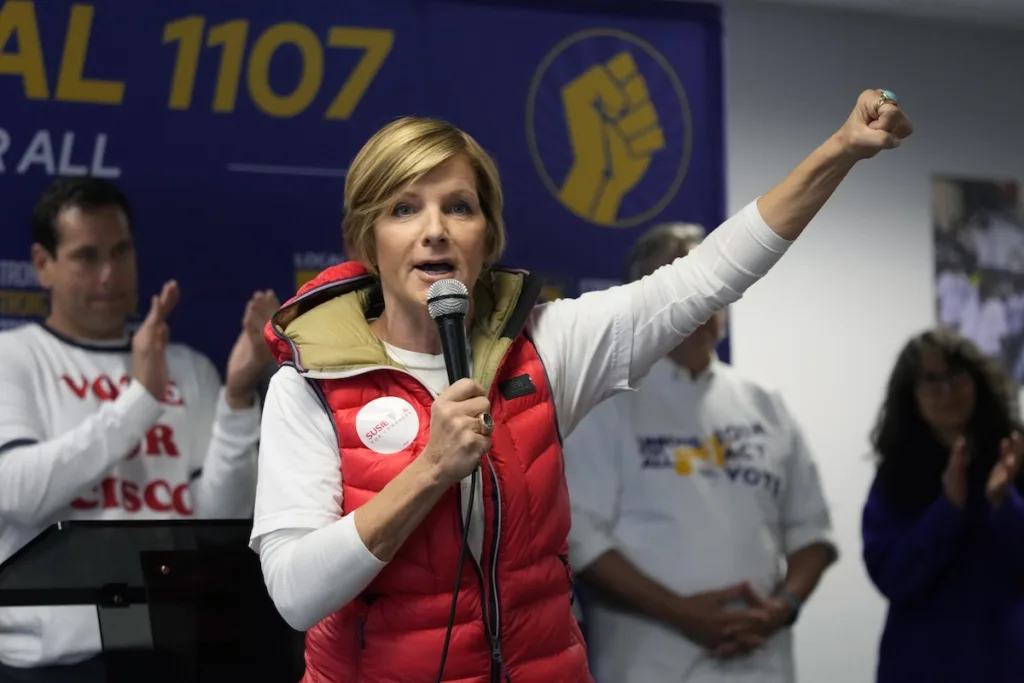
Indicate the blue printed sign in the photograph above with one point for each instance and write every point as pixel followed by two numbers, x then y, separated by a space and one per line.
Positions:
pixel 230 125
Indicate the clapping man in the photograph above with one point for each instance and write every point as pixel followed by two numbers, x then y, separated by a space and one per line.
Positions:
pixel 99 425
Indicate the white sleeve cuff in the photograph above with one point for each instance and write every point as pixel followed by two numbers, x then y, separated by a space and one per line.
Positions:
pixel 747 250
pixel 763 232
pixel 799 537
pixel 588 540
pixel 138 408
pixel 237 425
pixel 348 538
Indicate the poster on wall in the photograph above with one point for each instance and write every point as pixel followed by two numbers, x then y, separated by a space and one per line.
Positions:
pixel 230 125
pixel 979 264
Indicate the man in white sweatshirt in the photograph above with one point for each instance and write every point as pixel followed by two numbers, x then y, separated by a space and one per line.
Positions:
pixel 699 526
pixel 99 425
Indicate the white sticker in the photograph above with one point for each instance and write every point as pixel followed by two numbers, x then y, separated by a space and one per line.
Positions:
pixel 387 425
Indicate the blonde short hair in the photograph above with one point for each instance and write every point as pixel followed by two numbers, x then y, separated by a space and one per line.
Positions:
pixel 398 155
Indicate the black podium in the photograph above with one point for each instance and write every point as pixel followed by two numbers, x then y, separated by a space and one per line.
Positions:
pixel 178 601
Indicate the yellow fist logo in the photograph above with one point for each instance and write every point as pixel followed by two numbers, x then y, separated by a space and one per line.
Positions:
pixel 608 127
pixel 614 131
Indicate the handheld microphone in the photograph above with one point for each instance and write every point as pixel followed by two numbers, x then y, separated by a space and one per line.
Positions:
pixel 448 304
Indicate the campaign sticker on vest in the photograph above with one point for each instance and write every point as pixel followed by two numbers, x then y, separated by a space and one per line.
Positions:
pixel 387 425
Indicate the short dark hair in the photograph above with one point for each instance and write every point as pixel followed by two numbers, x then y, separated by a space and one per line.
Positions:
pixel 660 245
pixel 83 192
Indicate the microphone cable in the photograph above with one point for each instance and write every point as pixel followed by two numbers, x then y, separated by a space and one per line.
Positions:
pixel 458 575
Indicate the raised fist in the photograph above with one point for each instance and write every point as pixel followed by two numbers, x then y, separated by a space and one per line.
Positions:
pixel 873 125
pixel 614 131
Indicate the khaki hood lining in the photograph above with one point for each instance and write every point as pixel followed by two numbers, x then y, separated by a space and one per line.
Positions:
pixel 329 332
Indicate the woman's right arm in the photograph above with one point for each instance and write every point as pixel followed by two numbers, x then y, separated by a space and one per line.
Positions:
pixel 316 560
pixel 904 555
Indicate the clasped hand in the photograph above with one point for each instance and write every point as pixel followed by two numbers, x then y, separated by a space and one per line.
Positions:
pixel 1001 477
pixel 714 622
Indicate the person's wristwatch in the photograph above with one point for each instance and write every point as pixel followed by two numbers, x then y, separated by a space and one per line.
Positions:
pixel 793 602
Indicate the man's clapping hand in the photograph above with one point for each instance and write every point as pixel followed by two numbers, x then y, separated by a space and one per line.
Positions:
pixel 250 355
pixel 149 343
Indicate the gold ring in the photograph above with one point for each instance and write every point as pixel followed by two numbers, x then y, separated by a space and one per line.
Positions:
pixel 887 97
pixel 486 424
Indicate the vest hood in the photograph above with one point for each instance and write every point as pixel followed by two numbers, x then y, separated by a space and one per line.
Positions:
pixel 323 329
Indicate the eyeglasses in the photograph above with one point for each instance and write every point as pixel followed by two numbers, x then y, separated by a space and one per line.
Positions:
pixel 934 382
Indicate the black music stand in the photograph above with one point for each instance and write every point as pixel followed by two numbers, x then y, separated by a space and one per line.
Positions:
pixel 179 601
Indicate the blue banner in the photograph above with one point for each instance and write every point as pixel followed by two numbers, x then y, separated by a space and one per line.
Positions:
pixel 229 125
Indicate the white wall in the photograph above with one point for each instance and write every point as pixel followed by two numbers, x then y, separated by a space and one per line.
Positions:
pixel 826 324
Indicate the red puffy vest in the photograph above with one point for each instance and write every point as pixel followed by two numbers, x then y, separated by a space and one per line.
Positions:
pixel 513 620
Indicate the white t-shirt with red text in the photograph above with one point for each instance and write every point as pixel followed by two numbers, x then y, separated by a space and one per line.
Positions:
pixel 81 440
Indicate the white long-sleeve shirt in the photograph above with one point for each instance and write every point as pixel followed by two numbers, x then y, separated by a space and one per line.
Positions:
pixel 592 347
pixel 701 483
pixel 81 440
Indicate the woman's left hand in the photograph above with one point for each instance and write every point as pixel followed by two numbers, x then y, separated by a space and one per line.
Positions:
pixel 1011 454
pixel 876 123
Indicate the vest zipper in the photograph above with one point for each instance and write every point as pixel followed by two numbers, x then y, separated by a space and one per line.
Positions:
pixel 491 616
pixel 568 575
pixel 485 611
pixel 497 662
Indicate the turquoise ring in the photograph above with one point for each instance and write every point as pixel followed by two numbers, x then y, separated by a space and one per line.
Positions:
pixel 887 97
pixel 487 423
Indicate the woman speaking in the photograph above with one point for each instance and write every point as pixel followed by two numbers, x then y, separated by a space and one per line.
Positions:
pixel 418 530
